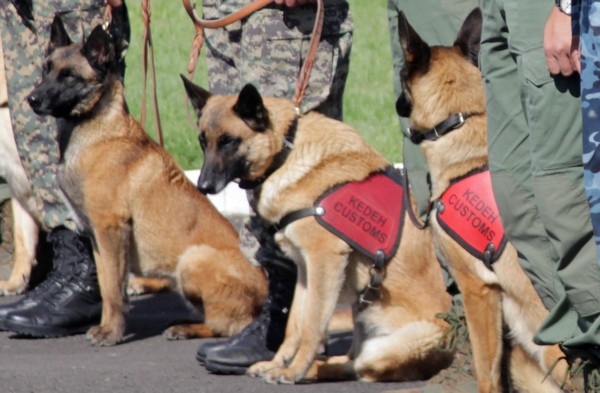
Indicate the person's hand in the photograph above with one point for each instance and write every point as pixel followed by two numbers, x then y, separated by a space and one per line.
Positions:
pixel 293 3
pixel 560 47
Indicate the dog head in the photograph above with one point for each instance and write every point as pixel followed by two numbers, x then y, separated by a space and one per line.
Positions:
pixel 239 136
pixel 438 81
pixel 75 76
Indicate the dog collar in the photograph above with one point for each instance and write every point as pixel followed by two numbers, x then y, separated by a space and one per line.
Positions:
pixel 451 123
pixel 278 160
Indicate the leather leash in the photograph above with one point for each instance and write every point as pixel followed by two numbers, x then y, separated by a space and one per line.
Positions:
pixel 148 51
pixel 201 24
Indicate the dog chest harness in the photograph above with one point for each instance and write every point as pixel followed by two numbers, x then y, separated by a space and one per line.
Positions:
pixel 467 211
pixel 368 215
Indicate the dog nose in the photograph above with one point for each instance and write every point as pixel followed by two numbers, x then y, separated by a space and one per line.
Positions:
pixel 33 101
pixel 205 187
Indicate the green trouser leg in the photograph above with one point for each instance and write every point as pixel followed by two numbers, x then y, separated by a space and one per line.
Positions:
pixel 535 159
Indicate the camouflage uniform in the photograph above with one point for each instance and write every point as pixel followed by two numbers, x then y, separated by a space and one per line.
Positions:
pixel 586 18
pixel 25 37
pixel 268 47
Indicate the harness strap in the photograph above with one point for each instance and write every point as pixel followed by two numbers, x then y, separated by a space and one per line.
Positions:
pixel 298 214
pixel 373 290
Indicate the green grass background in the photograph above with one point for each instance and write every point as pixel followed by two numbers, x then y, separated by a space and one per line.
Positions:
pixel 368 99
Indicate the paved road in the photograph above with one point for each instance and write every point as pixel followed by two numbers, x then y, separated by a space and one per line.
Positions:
pixel 145 362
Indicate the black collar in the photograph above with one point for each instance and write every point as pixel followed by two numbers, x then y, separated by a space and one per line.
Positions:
pixel 278 160
pixel 449 124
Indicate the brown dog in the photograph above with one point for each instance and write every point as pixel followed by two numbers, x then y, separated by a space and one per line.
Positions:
pixel 290 162
pixel 442 84
pixel 134 199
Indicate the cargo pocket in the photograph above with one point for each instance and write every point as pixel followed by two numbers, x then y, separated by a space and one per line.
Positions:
pixel 553 115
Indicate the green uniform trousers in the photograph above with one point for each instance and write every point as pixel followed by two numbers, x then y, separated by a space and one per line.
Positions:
pixel 437 22
pixel 534 140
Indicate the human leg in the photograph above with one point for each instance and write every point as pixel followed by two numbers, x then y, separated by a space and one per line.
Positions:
pixel 68 301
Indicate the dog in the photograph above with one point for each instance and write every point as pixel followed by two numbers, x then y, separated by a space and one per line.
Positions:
pixel 25 224
pixel 439 84
pixel 135 201
pixel 289 162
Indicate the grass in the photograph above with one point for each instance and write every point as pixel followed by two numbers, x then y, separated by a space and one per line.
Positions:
pixel 368 99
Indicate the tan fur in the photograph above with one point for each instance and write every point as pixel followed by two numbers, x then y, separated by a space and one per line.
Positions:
pixel 395 338
pixel 491 298
pixel 145 215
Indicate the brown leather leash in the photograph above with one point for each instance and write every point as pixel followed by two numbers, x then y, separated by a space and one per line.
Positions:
pixel 148 51
pixel 201 24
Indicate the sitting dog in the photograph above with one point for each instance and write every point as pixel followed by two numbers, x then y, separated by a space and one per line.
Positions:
pixel 135 201
pixel 25 227
pixel 290 162
pixel 445 99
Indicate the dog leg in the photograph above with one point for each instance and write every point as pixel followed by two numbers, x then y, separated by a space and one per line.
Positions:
pixel 222 284
pixel 325 273
pixel 25 240
pixel 109 254
pixel 484 322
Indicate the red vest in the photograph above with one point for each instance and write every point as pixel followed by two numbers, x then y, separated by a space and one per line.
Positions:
pixel 467 211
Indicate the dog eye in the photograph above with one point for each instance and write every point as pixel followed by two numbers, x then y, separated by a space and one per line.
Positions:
pixel 48 67
pixel 227 141
pixel 66 73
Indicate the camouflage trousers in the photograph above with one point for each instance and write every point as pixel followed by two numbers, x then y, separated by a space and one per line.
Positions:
pixel 268 48
pixel 590 96
pixel 24 41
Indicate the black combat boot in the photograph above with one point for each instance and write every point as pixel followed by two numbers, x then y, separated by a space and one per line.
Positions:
pixel 68 301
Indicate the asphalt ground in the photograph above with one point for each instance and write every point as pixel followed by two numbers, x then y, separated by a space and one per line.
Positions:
pixel 144 362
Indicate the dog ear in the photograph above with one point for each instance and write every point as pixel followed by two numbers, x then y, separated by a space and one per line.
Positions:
pixel 250 108
pixel 469 36
pixel 197 95
pixel 98 50
pixel 416 51
pixel 58 35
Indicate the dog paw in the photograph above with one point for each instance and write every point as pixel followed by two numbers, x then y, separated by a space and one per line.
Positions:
pixel 135 287
pixel 103 337
pixel 9 288
pixel 257 370
pixel 283 376
pixel 176 333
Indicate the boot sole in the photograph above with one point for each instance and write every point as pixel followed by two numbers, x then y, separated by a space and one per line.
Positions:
pixel 225 369
pixel 45 331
